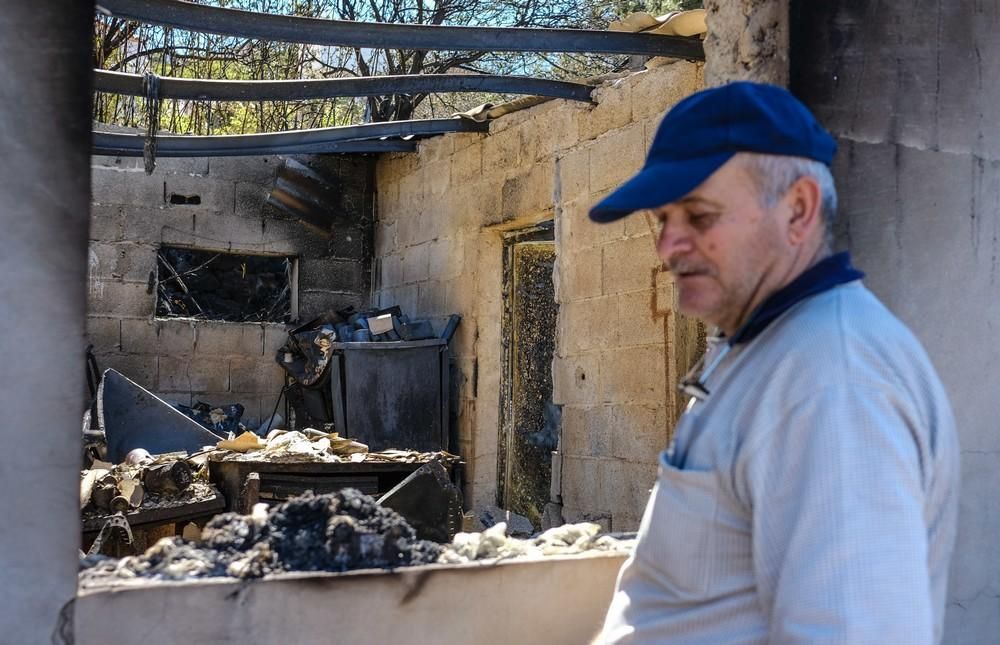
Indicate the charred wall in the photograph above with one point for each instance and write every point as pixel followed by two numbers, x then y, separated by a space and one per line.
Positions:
pixel 912 94
pixel 214 205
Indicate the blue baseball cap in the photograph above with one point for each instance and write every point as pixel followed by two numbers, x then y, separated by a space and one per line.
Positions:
pixel 705 130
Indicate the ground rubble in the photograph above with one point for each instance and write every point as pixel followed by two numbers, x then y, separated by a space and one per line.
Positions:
pixel 335 532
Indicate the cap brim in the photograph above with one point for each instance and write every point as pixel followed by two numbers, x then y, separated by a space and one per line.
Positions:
pixel 657 184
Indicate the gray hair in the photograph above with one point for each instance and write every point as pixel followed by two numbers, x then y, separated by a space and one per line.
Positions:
pixel 775 174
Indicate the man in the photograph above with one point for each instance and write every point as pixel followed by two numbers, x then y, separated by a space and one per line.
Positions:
pixel 810 493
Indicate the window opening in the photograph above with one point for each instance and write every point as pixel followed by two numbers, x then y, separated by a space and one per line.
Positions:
pixel 224 286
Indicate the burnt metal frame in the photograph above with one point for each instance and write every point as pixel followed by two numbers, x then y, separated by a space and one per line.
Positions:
pixel 122 148
pixel 316 31
pixel 350 138
pixel 225 90
pixel 541 232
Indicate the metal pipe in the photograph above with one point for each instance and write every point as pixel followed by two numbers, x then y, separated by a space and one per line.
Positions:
pixel 382 35
pixel 224 90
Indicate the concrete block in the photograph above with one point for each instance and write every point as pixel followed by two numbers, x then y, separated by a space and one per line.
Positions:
pixel 385 238
pixel 318 302
pixel 122 261
pixel 141 368
pixel 249 199
pixel 655 91
pixel 256 170
pixel 118 163
pixel 641 432
pixel 275 335
pixel 210 194
pixel 107 222
pixel 588 324
pixel 581 233
pixel 161 336
pixel 461 296
pixel 172 374
pixel 630 494
pixel 116 298
pixel 613 110
pixel 104 333
pixel 348 243
pixel 114 186
pixel 227 338
pixel 580 274
pixel 576 380
pixel 178 165
pixel 330 274
pixel 634 375
pixel 387 198
pixel 407 297
pixel 616 156
pixel 261 374
pixel 553 132
pixel 208 374
pixel 467 164
pixel 630 265
pixel 573 168
pixel 435 148
pixel 640 321
pixel 642 225
pixel 411 191
pixel 445 258
pixel 223 231
pixel 587 431
pixel 416 263
pixel 585 481
pixel 502 150
pixel 156 225
pixel 528 193
pixel 391 271
pixel 438 177
pixel 431 299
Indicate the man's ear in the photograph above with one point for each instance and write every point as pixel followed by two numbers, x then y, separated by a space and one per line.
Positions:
pixel 804 204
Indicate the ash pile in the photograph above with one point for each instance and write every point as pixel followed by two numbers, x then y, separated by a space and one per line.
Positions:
pixel 334 532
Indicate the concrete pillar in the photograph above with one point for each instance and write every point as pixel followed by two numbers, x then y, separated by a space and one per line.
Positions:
pixel 747 41
pixel 45 64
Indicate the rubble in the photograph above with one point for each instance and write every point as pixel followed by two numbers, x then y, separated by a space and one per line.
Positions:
pixel 493 543
pixel 335 532
pixel 315 446
pixel 517 525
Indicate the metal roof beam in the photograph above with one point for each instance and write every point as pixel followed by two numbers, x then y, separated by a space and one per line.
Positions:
pixel 314 140
pixel 225 90
pixel 134 149
pixel 315 31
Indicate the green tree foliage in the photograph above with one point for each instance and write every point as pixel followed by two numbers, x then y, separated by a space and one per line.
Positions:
pixel 126 46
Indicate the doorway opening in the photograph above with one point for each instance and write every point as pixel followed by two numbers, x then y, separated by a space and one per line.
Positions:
pixel 529 422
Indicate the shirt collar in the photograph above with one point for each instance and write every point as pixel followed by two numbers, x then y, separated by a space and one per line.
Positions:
pixel 822 276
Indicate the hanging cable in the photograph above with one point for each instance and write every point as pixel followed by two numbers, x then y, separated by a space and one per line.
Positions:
pixel 151 92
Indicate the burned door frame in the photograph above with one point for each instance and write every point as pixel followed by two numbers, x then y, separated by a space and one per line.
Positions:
pixel 542 232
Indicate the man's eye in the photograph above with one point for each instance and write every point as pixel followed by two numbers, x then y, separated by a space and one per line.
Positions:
pixel 701 220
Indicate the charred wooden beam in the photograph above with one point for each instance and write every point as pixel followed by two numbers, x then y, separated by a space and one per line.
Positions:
pixel 294 90
pixel 315 31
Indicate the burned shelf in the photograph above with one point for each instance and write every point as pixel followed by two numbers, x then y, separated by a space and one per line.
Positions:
pixel 362 137
pixel 315 31
pixel 225 90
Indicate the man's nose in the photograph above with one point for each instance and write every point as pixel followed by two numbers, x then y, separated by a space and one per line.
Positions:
pixel 675 239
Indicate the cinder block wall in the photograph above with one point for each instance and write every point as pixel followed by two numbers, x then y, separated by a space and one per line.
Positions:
pixel 217 362
pixel 441 216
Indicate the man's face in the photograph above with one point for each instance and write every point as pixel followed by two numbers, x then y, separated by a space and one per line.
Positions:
pixel 721 246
